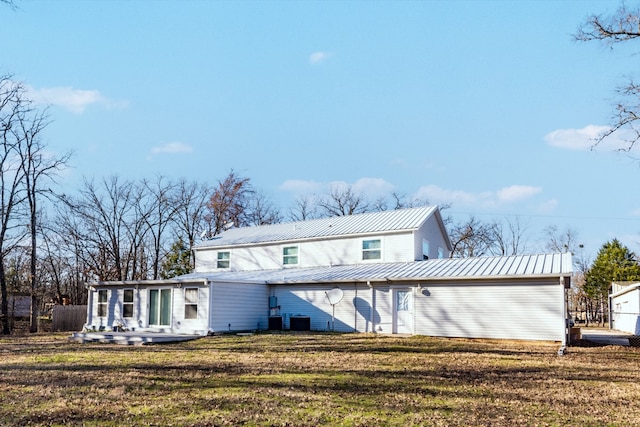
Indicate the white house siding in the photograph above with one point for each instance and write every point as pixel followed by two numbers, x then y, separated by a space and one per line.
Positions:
pixel 238 307
pixel 396 247
pixel 478 309
pixel 431 232
pixel 352 314
pixel 625 310
pixel 181 325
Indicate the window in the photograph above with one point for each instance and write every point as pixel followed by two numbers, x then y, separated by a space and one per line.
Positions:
pixel 371 249
pixel 290 255
pixel 102 303
pixel 425 249
pixel 223 259
pixel 127 305
pixel 440 253
pixel 191 303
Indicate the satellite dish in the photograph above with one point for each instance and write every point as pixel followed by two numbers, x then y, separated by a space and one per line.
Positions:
pixel 334 296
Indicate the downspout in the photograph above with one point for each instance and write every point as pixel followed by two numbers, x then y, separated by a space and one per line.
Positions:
pixel 565 335
pixel 90 290
pixel 372 317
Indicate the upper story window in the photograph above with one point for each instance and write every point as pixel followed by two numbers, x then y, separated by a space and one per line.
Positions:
pixel 425 249
pixel 371 249
pixel 102 303
pixel 191 303
pixel 127 304
pixel 440 253
pixel 290 255
pixel 223 260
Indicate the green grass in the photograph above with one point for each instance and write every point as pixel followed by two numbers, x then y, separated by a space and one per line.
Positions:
pixel 316 379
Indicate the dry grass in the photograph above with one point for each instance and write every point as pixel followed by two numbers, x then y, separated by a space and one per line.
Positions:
pixel 316 379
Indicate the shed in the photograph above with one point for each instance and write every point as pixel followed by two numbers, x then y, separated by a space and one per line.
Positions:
pixel 624 303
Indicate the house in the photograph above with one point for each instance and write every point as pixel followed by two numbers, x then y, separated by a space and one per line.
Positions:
pixel 624 303
pixel 383 272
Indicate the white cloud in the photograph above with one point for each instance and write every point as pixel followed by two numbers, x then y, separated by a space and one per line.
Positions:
pixel 74 100
pixel 172 147
pixel 319 57
pixel 515 193
pixel 368 187
pixel 586 138
pixel 459 198
pixel 299 186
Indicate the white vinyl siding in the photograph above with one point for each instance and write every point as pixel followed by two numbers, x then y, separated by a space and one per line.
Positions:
pixel 352 314
pixel 625 305
pixel 238 307
pixel 397 247
pixel 509 310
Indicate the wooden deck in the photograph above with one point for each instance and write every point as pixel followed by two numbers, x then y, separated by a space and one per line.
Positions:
pixel 130 338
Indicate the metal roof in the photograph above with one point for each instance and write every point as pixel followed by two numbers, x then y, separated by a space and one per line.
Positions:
pixel 373 222
pixel 517 266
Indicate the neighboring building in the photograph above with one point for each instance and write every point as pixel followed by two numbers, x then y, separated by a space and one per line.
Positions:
pixel 624 303
pixel 385 272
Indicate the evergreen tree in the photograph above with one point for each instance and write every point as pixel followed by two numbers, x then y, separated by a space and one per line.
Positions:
pixel 177 262
pixel 614 263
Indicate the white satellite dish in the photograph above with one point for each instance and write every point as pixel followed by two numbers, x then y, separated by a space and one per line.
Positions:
pixel 334 296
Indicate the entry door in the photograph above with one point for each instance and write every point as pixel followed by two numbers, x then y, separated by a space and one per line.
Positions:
pixel 160 307
pixel 403 311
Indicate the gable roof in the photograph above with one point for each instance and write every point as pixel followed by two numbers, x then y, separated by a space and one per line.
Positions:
pixel 373 222
pixel 476 268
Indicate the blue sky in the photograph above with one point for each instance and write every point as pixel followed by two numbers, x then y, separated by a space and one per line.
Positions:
pixel 484 105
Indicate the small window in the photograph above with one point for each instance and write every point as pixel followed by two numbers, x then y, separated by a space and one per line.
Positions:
pixel 440 253
pixel 127 305
pixel 191 303
pixel 425 249
pixel 223 260
pixel 371 249
pixel 290 255
pixel 102 303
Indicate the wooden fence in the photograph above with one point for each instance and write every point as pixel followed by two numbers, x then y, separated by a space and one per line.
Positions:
pixel 68 317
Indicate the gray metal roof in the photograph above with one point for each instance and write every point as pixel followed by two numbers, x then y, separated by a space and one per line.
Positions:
pixel 517 266
pixel 374 222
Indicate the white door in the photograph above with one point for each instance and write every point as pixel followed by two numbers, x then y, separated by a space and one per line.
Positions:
pixel 403 311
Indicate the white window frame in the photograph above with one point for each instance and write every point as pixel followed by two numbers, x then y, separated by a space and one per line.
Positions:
pixel 366 251
pixel 425 249
pixel 103 306
pixel 190 304
pixel 223 260
pixel 287 259
pixel 126 303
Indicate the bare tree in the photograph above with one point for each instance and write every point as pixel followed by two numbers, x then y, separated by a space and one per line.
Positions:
pixel 12 108
pixel 190 200
pixel 162 211
pixel 38 169
pixel 471 238
pixel 509 237
pixel 261 211
pixel 228 205
pixel 342 200
pixel 304 208
pixel 560 240
pixel 622 26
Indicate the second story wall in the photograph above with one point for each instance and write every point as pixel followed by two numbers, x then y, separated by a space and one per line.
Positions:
pixel 388 247
pixel 431 236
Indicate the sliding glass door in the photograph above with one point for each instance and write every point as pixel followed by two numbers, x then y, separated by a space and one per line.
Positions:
pixel 159 307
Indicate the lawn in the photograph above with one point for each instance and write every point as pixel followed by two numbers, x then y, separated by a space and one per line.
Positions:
pixel 316 379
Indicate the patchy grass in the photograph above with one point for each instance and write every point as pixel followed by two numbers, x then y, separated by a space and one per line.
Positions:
pixel 316 379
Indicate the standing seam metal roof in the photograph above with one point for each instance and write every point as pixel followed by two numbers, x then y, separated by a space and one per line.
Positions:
pixel 396 220
pixel 516 266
